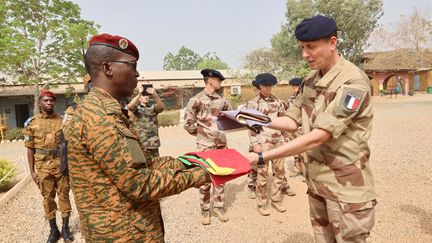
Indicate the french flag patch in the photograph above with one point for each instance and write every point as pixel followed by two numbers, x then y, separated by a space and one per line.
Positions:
pixel 352 101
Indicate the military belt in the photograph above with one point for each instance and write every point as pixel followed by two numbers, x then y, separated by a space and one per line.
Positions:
pixel 53 152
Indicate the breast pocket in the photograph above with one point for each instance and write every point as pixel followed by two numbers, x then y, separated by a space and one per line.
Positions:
pixel 133 147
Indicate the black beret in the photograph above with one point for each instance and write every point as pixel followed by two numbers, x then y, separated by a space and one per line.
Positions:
pixel 295 81
pixel 315 28
pixel 266 79
pixel 255 83
pixel 212 73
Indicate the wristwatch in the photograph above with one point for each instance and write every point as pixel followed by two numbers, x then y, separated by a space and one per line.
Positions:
pixel 260 159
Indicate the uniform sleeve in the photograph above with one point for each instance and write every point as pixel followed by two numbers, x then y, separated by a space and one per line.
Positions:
pixel 345 106
pixel 281 113
pixel 294 110
pixel 253 136
pixel 158 109
pixel 227 106
pixel 190 120
pixel 28 133
pixel 118 152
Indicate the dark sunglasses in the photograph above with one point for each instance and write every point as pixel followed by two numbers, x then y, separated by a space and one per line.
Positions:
pixel 132 64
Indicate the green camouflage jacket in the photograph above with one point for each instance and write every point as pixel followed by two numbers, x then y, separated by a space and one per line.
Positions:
pixel 147 124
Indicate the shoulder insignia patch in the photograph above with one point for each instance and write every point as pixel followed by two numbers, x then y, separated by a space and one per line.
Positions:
pixel 26 123
pixel 352 101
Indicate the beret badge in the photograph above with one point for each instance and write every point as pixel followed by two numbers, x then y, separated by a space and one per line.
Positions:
pixel 123 43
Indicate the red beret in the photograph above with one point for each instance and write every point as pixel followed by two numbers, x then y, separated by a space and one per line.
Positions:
pixel 117 42
pixel 47 93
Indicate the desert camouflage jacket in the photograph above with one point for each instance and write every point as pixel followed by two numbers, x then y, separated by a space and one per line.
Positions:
pixel 338 102
pixel 146 124
pixel 200 118
pixel 116 188
pixel 271 107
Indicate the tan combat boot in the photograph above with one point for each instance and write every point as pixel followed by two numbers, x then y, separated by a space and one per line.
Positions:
pixel 263 210
pixel 220 214
pixel 278 206
pixel 288 192
pixel 205 217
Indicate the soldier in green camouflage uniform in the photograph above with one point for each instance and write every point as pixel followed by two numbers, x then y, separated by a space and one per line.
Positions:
pixel 146 123
pixel 117 188
pixel 335 110
pixel 268 104
pixel 200 121
pixel 42 138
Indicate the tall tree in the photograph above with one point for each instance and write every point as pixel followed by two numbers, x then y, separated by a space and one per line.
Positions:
pixel 44 42
pixel 185 59
pixel 210 60
pixel 411 32
pixel 356 20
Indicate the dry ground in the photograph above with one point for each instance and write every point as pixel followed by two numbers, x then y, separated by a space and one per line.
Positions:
pixel 401 160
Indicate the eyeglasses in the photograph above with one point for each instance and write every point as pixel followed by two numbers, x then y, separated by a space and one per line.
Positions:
pixel 132 64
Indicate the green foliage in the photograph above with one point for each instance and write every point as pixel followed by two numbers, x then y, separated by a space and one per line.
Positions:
pixel 235 100
pixel 356 19
pixel 6 175
pixel 186 59
pixel 43 41
pixel 169 118
pixel 411 92
pixel 210 60
pixel 14 134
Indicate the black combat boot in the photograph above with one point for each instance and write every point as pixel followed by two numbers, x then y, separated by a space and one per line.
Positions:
pixel 66 234
pixel 54 235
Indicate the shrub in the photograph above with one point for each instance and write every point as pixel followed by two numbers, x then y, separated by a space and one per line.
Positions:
pixel 169 118
pixel 14 134
pixel 5 167
pixel 411 92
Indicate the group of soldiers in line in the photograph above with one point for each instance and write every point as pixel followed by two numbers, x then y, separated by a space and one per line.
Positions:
pixel 118 176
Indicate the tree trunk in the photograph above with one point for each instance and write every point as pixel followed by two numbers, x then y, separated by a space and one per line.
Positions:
pixel 36 99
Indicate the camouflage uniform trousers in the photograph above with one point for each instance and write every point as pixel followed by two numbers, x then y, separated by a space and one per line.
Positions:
pixel 204 190
pixel 262 178
pixel 334 221
pixel 51 181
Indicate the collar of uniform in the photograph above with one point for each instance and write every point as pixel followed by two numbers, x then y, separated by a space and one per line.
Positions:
pixel 270 98
pixel 215 95
pixel 46 116
pixel 326 80
pixel 111 105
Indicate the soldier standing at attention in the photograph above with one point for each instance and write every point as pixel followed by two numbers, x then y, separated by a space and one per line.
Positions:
pixel 116 187
pixel 42 135
pixel 200 121
pixel 334 109
pixel 298 167
pixel 146 111
pixel 271 106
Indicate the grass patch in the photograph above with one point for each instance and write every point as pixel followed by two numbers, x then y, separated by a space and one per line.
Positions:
pixel 169 118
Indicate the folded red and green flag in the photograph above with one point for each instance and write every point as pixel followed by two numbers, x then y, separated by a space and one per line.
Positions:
pixel 222 165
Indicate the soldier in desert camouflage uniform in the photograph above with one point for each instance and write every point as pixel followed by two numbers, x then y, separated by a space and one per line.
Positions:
pixel 298 167
pixel 42 138
pixel 269 105
pixel 200 121
pixel 146 123
pixel 117 188
pixel 334 109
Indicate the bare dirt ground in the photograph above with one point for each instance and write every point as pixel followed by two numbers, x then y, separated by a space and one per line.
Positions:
pixel 401 160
